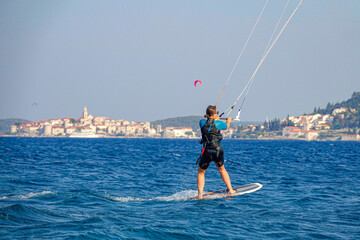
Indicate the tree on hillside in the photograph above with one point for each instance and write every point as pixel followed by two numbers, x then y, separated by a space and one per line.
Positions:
pixel 338 122
pixel 288 122
pixel 354 101
pixel 266 125
pixel 351 119
pixel 275 125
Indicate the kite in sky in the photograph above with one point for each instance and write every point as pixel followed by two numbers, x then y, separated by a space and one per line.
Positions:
pixel 197 81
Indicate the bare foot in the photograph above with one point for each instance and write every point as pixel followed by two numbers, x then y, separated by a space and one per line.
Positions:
pixel 231 191
pixel 200 196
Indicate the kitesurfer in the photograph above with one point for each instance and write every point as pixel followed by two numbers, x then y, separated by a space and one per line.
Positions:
pixel 212 149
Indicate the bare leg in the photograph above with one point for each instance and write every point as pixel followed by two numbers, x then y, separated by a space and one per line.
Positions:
pixel 225 177
pixel 200 182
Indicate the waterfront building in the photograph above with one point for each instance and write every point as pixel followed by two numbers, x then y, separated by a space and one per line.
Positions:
pixel 350 137
pixel 310 134
pixel 48 130
pixel 178 132
pixel 70 130
pixel 58 130
pixel 111 129
pixel 291 132
pixel 89 126
pixel 13 129
pixel 158 129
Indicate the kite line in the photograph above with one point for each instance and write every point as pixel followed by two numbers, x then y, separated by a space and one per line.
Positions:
pixel 270 45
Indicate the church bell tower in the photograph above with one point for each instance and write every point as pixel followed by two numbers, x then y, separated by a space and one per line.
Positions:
pixel 85 113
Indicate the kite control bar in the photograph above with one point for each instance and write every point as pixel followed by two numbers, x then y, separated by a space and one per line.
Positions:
pixel 234 119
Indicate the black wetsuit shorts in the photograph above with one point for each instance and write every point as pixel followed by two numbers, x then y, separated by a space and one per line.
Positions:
pixel 212 154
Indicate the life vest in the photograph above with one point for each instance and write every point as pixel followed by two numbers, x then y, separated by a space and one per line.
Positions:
pixel 211 136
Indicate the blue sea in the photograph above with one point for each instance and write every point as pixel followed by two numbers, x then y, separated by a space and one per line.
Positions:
pixel 63 188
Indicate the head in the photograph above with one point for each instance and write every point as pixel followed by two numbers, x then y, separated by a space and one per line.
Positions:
pixel 211 112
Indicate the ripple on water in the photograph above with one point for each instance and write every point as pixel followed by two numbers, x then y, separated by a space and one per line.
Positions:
pixel 138 189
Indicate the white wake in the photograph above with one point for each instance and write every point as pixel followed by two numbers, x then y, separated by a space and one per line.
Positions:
pixel 29 195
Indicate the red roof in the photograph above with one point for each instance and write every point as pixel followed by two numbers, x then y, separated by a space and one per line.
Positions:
pixel 293 128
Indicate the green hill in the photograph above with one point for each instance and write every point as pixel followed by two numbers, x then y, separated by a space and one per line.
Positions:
pixel 350 119
pixel 353 102
pixel 6 123
pixel 189 121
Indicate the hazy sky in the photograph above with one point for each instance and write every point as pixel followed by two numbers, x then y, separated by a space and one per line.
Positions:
pixel 137 60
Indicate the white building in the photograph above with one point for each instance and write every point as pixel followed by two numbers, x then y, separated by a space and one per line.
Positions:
pixel 178 132
pixel 13 129
pixel 339 110
pixel 89 129
pixel 310 134
pixel 70 130
pixel 58 130
pixel 48 130
pixel 112 129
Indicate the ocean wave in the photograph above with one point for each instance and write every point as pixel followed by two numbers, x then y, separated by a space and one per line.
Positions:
pixel 123 199
pixel 176 154
pixel 29 195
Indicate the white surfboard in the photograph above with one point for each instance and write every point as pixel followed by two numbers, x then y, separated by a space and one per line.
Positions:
pixel 248 188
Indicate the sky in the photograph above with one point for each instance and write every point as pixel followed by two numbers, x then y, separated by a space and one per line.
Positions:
pixel 138 60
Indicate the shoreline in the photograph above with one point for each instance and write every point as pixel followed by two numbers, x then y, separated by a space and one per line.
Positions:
pixel 238 139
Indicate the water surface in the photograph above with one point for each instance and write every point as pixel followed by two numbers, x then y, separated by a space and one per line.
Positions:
pixel 59 188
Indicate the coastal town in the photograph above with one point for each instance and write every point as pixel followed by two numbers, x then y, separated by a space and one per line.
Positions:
pixel 88 126
pixel 310 126
pixel 304 127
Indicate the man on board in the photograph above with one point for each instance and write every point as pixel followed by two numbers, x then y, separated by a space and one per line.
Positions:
pixel 212 151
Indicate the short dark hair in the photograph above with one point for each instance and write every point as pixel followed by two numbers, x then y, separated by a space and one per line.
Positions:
pixel 210 110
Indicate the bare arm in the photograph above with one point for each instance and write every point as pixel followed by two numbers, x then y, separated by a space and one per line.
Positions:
pixel 228 121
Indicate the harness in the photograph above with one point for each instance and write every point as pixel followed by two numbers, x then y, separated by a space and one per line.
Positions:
pixel 211 136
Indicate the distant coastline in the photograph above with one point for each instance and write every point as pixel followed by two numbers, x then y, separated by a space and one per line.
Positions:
pixel 312 127
pixel 335 139
pixel 338 121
